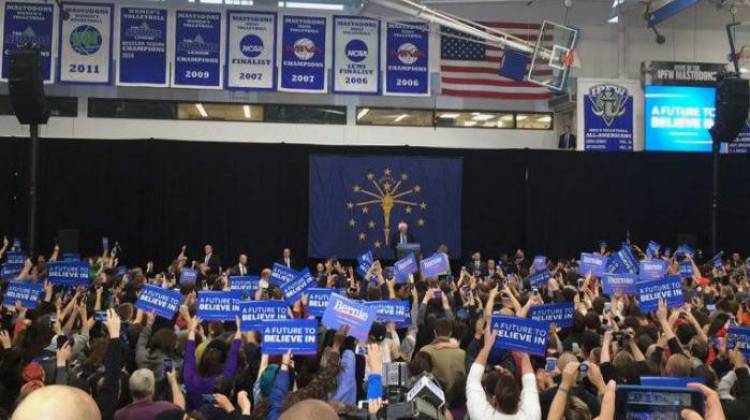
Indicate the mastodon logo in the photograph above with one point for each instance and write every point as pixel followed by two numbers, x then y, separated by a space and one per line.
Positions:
pixel 608 101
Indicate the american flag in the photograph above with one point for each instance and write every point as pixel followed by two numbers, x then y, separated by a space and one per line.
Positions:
pixel 470 69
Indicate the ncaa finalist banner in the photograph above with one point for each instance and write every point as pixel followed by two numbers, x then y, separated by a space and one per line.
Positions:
pixel 197 56
pixel 407 70
pixel 28 23
pixel 356 55
pixel 607 114
pixel 303 54
pixel 143 47
pixel 251 50
pixel 86 43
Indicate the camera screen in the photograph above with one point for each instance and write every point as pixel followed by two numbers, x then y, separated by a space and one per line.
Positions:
pixel 648 405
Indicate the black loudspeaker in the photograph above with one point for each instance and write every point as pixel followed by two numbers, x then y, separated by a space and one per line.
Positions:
pixel 732 105
pixel 67 239
pixel 26 86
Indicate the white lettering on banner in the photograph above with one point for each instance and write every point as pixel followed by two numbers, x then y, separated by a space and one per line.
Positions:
pixel 343 308
pixel 592 261
pixel 520 333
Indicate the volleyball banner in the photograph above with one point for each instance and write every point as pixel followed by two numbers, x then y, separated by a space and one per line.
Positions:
pixel 142 59
pixel 303 54
pixel 407 69
pixel 251 50
pixel 86 43
pixel 28 23
pixel 197 55
pixel 356 55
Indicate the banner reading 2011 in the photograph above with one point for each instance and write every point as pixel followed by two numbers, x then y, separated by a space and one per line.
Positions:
pixel 86 43
pixel 143 47
pixel 356 54
pixel 28 23
pixel 251 51
pixel 407 69
pixel 197 56
pixel 303 54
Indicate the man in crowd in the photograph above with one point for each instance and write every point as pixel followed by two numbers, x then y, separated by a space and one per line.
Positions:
pixel 211 260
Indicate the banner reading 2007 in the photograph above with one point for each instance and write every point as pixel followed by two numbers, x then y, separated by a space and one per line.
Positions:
pixel 303 54
pixel 251 50
pixel 86 43
pixel 407 70
pixel 197 56
pixel 356 54
pixel 28 23
pixel 143 47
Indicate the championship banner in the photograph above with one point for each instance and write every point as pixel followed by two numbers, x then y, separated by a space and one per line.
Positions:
pixel 343 311
pixel 356 55
pixel 253 313
pixel 28 23
pixel 364 262
pixel 69 273
pixel 164 302
pixel 520 334
pixel 539 278
pixel 398 311
pixel 653 269
pixel 669 289
pixel 303 54
pixel 297 335
pixel 281 274
pixel 142 57
pixel 293 289
pixel 559 313
pixel 317 300
pixel 592 263
pixel 624 284
pixel 197 55
pixel 85 43
pixel 435 265
pixel 251 50
pixel 24 292
pixel 218 306
pixel 607 112
pixel 739 337
pixel 405 267
pixel 407 65
pixel 188 276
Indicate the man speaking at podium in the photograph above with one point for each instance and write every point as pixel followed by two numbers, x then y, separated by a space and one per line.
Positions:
pixel 403 236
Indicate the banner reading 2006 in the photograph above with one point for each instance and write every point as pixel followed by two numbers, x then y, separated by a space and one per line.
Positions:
pixel 251 50
pixel 407 70
pixel 86 43
pixel 143 47
pixel 26 23
pixel 197 56
pixel 356 54
pixel 303 54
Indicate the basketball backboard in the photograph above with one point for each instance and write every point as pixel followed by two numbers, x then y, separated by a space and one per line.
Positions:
pixel 553 55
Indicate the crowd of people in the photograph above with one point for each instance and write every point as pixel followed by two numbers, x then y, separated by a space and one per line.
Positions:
pixel 88 353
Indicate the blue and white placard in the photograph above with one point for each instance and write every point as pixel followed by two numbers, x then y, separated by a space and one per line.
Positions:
pixel 69 273
pixel 397 311
pixel 218 306
pixel 435 265
pixel 356 55
pixel 303 54
pixel 164 302
pixel 342 311
pixel 293 289
pixel 669 289
pixel 244 283
pixel 85 43
pixel 188 276
pixel 317 300
pixel 407 64
pixel 739 337
pixel 559 313
pixel 198 54
pixel 142 57
pixel 252 314
pixel 297 335
pixel 592 263
pixel 405 267
pixel 25 23
pixel 520 334
pixel 24 292
pixel 251 50
pixel 623 283
pixel 539 278
pixel 281 274
pixel 653 269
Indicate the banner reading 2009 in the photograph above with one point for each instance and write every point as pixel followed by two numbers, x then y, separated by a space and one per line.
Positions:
pixel 251 50
pixel 26 23
pixel 303 54
pixel 197 56
pixel 356 54
pixel 86 43
pixel 407 70
pixel 143 47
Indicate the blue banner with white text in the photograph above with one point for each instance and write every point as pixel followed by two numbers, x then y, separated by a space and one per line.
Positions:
pixel 69 273
pixel 407 64
pixel 364 262
pixel 303 54
pixel 434 265
pixel 404 267
pixel 197 55
pixel 218 306
pixel 592 263
pixel 293 289
pixel 669 289
pixel 24 292
pixel 246 284
pixel 281 274
pixel 653 269
pixel 252 314
pixel 10 270
pixel 539 278
pixel 739 337
pixel 397 311
pixel 623 283
pixel 608 119
pixel 317 300
pixel 559 313
pixel 164 302
pixel 520 334
pixel 143 47
pixel 342 311
pixel 28 23
pixel 297 335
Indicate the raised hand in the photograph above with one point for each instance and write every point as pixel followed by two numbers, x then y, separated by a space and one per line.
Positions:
pixel 113 323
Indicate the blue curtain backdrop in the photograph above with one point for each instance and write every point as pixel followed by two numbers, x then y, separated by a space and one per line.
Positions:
pixel 357 202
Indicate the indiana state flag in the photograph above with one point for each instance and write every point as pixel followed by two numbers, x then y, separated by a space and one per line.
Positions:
pixel 357 203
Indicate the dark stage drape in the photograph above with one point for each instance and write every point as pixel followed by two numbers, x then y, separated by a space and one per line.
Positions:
pixel 154 195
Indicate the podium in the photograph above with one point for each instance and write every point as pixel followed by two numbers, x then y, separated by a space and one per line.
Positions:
pixel 403 250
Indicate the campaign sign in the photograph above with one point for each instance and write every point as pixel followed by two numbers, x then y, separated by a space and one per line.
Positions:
pixel 540 263
pixel 317 300
pixel 303 54
pixel 592 263
pixel 297 335
pixel 652 249
pixel 253 313
pixel 142 60
pixel 405 267
pixel 356 55
pixel 686 268
pixel 281 274
pixel 197 54
pixel 685 249
pixel 188 276
pixel 539 278
pixel 85 43
pixel 164 302
pixel 608 118
pixel 739 337
pixel 435 265
pixel 624 284
pixel 244 283
pixel 397 311
pixel 343 311
pixel 364 262
pixel 69 273
pixel 218 306
pixel 10 271
pixel 16 257
pixel 71 256
pixel 623 261
pixel 653 269
pixel 293 288
pixel 407 68
pixel 717 261
pixel 27 293
pixel 251 50
pixel 28 23
pixel 559 313
pixel 670 382
pixel 669 289
pixel 520 334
